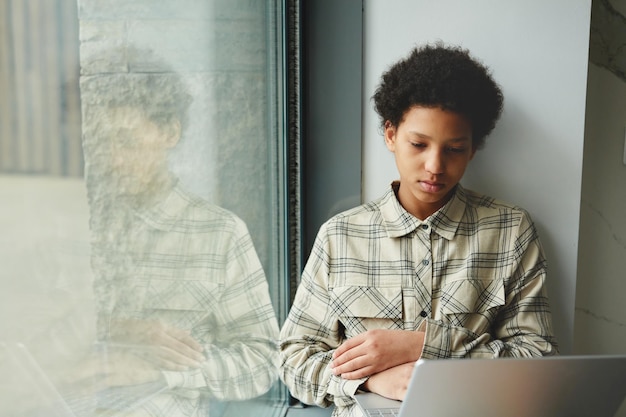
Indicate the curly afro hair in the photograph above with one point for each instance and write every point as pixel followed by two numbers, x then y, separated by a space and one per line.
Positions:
pixel 441 76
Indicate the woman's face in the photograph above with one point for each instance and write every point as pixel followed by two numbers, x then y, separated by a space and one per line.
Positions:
pixel 432 148
pixel 138 150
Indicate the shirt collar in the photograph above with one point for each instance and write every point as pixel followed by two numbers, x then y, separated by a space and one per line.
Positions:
pixel 164 215
pixel 445 221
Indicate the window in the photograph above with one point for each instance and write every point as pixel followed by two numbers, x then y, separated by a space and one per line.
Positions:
pixel 149 223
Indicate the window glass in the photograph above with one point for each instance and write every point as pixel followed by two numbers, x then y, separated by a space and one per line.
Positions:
pixel 142 180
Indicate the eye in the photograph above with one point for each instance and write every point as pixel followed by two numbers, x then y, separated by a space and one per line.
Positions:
pixel 418 144
pixel 456 150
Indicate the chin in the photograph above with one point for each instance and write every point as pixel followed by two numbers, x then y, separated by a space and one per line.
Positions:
pixel 430 197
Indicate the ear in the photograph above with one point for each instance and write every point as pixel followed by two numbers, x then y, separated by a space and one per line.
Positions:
pixel 390 136
pixel 173 133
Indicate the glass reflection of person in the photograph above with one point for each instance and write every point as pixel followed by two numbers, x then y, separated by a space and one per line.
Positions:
pixel 181 294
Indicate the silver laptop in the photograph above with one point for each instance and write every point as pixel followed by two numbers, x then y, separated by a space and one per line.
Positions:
pixel 556 386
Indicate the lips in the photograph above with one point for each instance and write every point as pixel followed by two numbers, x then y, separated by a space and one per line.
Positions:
pixel 431 186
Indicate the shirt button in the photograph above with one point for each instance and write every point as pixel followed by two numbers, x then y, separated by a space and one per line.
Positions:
pixel 423 313
pixel 425 262
pixel 425 226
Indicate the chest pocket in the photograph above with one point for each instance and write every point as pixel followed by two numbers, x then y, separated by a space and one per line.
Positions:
pixel 186 304
pixel 472 303
pixel 362 308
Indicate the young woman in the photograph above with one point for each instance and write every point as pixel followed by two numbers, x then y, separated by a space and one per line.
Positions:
pixel 430 269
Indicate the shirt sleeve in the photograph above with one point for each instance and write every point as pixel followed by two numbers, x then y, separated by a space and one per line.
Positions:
pixel 242 357
pixel 521 326
pixel 310 335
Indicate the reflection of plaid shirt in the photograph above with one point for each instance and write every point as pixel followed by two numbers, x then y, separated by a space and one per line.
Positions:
pixel 471 276
pixel 192 265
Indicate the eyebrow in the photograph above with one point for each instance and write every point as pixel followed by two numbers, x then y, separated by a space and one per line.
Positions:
pixel 457 139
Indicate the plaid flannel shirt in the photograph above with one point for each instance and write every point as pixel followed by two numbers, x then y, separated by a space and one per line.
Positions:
pixel 192 265
pixel 472 276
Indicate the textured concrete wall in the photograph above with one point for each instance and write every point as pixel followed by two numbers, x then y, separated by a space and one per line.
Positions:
pixel 220 48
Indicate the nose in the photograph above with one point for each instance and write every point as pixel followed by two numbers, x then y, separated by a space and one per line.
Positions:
pixel 435 162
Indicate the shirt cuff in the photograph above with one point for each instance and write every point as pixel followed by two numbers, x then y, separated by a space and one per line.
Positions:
pixel 437 343
pixel 173 379
pixel 343 390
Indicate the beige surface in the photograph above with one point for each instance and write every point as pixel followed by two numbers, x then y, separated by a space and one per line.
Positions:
pixel 45 279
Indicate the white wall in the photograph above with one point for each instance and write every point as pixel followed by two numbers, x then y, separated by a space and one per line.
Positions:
pixel 537 51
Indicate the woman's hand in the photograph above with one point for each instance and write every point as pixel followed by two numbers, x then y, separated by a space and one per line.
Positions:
pixel 391 383
pixel 108 368
pixel 168 347
pixel 375 351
